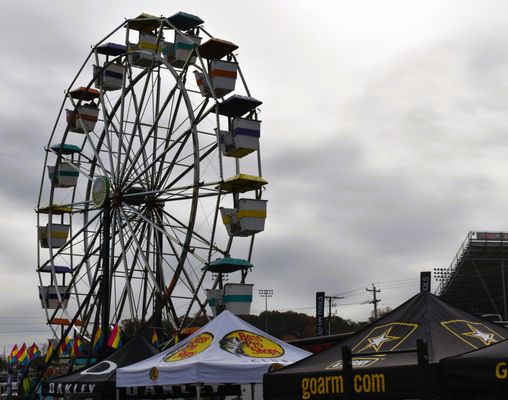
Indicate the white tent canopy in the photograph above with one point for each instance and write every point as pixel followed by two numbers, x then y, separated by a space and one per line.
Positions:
pixel 226 350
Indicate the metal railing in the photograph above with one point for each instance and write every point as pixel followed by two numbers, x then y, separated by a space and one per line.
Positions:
pixel 445 275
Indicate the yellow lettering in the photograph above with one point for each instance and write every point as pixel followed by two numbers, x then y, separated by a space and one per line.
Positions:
pixel 358 383
pixel 305 388
pixel 366 383
pixel 337 384
pixel 378 383
pixel 369 383
pixel 321 385
pixel 362 383
pixel 328 379
pixel 313 386
pixel 501 370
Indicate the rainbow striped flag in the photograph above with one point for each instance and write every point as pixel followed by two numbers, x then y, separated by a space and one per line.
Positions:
pixel 98 340
pixel 49 353
pixel 65 347
pixel 115 339
pixel 76 347
pixel 22 355
pixel 155 338
pixel 14 353
pixel 33 352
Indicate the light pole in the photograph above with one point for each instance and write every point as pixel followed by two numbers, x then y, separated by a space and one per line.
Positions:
pixel 266 293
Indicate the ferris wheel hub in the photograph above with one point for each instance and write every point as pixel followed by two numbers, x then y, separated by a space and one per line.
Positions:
pixel 100 191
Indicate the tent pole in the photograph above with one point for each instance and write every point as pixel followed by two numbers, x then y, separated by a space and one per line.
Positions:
pixel 198 391
pixel 504 290
pixel 347 371
pixel 252 391
pixel 422 352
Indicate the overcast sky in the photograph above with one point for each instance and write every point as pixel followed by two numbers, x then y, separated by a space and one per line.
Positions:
pixel 384 137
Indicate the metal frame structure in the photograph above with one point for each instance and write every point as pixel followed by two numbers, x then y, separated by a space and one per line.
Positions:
pixel 477 278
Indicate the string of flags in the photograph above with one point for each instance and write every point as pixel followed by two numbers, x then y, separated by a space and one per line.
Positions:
pixel 72 348
pixel 23 355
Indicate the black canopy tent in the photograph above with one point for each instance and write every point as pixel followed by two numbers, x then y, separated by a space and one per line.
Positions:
pixel 100 378
pixel 384 358
pixel 477 373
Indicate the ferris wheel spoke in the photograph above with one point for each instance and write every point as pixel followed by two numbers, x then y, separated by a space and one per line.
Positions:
pixel 196 235
pixel 128 169
pixel 95 151
pixel 156 117
pixel 135 128
pixel 176 161
pixel 138 176
pixel 90 276
pixel 169 167
pixel 138 244
pixel 190 168
pixel 154 226
pixel 142 108
pixel 120 111
pixel 171 240
pixel 121 103
pixel 127 292
pixel 106 131
pixel 170 132
pixel 113 130
pixel 86 319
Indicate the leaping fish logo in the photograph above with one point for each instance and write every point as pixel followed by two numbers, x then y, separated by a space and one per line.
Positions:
pixel 250 344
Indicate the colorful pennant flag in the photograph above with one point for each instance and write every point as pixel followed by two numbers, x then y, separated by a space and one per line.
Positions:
pixel 115 339
pixel 49 353
pixel 14 353
pixel 22 355
pixel 98 340
pixel 76 347
pixel 65 347
pixel 155 338
pixel 33 352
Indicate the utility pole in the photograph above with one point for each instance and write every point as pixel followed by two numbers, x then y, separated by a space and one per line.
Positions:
pixel 330 299
pixel 375 300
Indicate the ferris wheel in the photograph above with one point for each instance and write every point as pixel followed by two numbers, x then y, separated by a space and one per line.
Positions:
pixel 152 179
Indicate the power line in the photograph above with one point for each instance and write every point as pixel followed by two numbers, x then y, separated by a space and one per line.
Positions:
pixel 395 281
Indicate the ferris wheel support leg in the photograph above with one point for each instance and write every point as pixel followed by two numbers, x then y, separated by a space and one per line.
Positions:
pixel 105 268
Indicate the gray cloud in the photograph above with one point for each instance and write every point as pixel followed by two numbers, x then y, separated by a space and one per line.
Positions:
pixel 380 155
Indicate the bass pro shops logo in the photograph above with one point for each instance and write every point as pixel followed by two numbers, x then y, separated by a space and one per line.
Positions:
pixel 249 344
pixel 193 347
